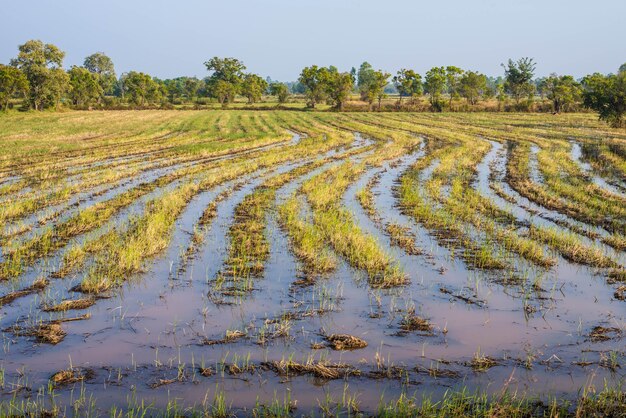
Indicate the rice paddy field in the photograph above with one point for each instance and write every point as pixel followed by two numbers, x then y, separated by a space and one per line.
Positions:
pixel 276 263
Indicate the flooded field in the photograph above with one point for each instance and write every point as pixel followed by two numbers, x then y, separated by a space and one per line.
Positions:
pixel 271 263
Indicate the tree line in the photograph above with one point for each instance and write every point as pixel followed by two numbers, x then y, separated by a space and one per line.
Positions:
pixel 37 76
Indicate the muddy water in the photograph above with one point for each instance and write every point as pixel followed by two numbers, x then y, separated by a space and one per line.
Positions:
pixel 492 170
pixel 558 328
pixel 158 323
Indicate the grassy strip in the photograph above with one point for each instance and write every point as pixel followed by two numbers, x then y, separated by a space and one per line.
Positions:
pixel 362 251
pixel 307 241
pixel 150 233
pixel 609 402
pixel 466 205
pixel 571 247
pixel 518 176
pixel 445 226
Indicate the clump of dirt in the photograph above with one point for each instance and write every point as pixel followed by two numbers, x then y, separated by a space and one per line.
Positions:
pixel 600 333
pixel 45 332
pixel 413 322
pixel 620 293
pixel 163 382
pixel 617 275
pixel 38 285
pixel 317 346
pixel 234 369
pixel 70 304
pixel 50 333
pixel 231 336
pixel 305 281
pixel 481 362
pixel 345 342
pixel 322 370
pixel 206 371
pixel 73 375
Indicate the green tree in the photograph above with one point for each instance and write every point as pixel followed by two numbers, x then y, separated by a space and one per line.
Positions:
pixel 141 89
pixel 435 85
pixel 225 71
pixel 58 86
pixel 191 86
pixel 472 86
pixel 453 82
pixel 41 64
pixel 253 87
pixel 280 90
pixel 223 91
pixel 13 83
pixel 338 87
pixel 85 86
pixel 101 64
pixel 175 88
pixel 518 78
pixel 375 89
pixel 365 78
pixel 607 96
pixel 563 91
pixel 314 79
pixel 408 83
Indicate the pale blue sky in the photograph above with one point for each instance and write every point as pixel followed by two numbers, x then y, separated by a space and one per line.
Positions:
pixel 279 37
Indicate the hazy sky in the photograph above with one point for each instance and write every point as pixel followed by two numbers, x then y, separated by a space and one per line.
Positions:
pixel 279 37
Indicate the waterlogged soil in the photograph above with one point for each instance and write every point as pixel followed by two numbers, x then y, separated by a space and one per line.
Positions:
pixel 167 335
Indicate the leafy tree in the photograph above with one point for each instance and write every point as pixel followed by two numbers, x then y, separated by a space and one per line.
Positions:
pixel 313 79
pixel 191 85
pixel 175 88
pixel 225 81
pixel 13 82
pixel 365 78
pixel 84 86
pixel 40 63
pixel 435 85
pixel 492 86
pixel 280 90
pixel 472 86
pixel 375 89
pixel 408 83
pixel 253 87
pixel 182 87
pixel 338 87
pixel 607 96
pixel 622 68
pixel 562 90
pixel 58 85
pixel 223 91
pixel 519 76
pixel 101 64
pixel 141 88
pixel 453 82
